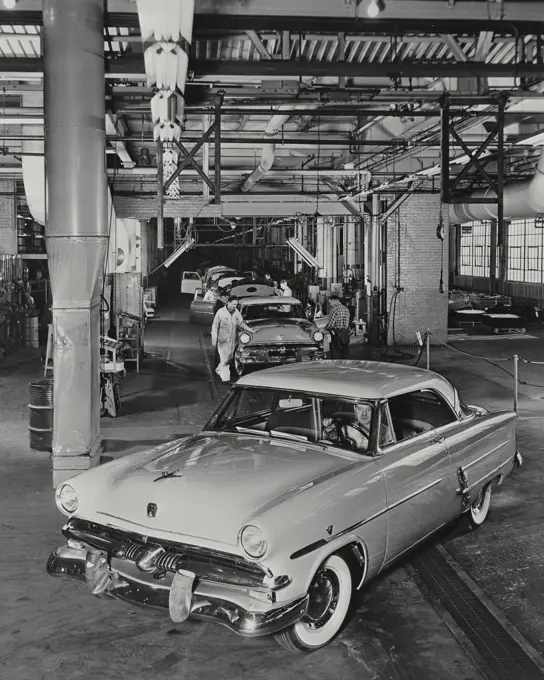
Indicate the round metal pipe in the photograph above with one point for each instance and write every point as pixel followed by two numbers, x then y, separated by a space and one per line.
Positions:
pixel 75 117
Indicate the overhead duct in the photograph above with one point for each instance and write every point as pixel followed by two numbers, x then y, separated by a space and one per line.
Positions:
pixel 301 251
pixel 274 125
pixel 520 200
pixel 167 28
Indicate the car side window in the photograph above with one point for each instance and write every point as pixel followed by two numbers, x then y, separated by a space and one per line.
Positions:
pixel 347 425
pixel 387 433
pixel 417 412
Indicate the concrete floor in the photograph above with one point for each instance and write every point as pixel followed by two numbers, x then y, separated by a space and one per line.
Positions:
pixel 55 629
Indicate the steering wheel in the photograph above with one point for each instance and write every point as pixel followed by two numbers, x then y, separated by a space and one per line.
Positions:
pixel 346 441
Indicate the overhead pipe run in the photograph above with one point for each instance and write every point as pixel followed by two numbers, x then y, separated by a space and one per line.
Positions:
pixel 520 200
pixel 166 27
pixel 274 126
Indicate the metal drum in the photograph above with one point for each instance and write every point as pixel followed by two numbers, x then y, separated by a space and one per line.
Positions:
pixel 41 415
pixel 32 332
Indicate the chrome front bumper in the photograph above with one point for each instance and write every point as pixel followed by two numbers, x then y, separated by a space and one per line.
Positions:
pixel 229 605
pixel 278 355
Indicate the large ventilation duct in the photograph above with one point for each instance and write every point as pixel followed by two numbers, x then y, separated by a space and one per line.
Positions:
pixel 274 126
pixel 167 28
pixel 520 200
pixel 77 221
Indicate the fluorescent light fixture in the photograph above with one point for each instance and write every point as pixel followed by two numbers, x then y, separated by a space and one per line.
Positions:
pixel 302 252
pixel 184 247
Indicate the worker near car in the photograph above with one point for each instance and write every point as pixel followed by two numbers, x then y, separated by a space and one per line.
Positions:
pixel 285 290
pixel 227 323
pixel 338 327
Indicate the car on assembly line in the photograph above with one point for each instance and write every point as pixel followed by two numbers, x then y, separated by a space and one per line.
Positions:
pixel 204 306
pixel 282 334
pixel 307 482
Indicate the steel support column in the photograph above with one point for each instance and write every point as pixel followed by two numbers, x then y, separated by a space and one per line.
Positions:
pixel 77 228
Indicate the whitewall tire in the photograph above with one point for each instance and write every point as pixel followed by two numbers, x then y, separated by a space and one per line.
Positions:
pixel 329 599
pixel 479 510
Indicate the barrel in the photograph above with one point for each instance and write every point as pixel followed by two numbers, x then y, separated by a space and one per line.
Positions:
pixel 41 415
pixel 32 332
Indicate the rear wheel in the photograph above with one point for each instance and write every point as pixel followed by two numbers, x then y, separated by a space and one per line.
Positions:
pixel 329 599
pixel 480 508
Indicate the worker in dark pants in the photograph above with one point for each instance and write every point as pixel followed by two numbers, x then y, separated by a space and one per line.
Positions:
pixel 338 327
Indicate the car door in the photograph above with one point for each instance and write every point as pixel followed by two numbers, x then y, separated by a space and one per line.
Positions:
pixel 416 467
pixel 479 447
pixel 201 311
pixel 190 282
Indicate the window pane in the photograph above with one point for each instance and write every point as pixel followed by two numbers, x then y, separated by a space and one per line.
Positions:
pixel 418 412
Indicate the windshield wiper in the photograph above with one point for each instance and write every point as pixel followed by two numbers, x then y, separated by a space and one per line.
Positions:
pixel 249 430
pixel 288 435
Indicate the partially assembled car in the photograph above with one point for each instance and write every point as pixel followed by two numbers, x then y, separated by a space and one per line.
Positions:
pixel 282 334
pixel 307 481
pixel 206 303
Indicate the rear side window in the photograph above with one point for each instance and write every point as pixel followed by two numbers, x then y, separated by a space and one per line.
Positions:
pixel 417 412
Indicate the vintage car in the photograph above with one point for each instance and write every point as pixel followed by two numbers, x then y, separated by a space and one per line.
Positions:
pixel 307 481
pixel 282 334
pixel 206 303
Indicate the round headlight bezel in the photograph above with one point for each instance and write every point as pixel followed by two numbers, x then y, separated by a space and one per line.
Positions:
pixel 256 554
pixel 62 501
pixel 245 338
pixel 318 336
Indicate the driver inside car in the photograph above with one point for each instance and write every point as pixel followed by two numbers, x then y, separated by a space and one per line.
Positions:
pixel 352 433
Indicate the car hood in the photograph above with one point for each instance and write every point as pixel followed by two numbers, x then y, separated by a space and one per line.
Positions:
pixel 222 481
pixel 273 331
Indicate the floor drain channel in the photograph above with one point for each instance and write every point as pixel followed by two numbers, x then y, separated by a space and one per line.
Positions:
pixel 505 657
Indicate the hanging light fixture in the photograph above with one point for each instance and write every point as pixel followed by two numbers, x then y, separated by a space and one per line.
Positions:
pixel 10 4
pixel 375 7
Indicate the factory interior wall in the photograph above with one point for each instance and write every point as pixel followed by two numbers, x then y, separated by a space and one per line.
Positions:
pixel 414 259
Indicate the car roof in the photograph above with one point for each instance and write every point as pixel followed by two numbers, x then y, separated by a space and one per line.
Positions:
pixel 347 378
pixel 270 300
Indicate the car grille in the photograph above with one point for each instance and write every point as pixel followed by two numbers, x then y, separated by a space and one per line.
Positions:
pixel 282 353
pixel 213 565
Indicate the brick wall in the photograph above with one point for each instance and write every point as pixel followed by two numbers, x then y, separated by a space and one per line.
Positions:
pixel 420 305
pixel 8 221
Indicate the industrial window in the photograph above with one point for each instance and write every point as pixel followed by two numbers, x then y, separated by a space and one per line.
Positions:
pixel 475 249
pixel 526 251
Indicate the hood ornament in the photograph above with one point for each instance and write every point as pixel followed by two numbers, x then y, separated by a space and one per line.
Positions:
pixel 166 475
pixel 152 510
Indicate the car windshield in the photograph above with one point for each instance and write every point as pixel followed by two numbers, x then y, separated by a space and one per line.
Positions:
pixel 332 421
pixel 273 311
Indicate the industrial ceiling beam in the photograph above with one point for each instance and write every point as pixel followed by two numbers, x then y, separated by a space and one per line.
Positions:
pixel 132 67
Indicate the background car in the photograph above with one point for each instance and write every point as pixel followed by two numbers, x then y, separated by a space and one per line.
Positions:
pixel 282 334
pixel 274 515
pixel 203 310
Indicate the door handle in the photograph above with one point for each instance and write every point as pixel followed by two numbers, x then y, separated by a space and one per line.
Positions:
pixel 438 440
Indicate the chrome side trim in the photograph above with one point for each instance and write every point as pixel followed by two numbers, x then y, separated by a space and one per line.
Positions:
pixel 484 478
pixel 353 527
pixel 484 455
pixel 415 493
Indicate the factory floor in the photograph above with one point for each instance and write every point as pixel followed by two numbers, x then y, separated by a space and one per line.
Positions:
pixel 466 606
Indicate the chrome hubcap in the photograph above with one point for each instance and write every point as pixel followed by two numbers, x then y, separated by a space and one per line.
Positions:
pixel 323 593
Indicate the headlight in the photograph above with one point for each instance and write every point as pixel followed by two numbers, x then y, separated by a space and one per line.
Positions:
pixel 245 338
pixel 253 541
pixel 66 499
pixel 318 336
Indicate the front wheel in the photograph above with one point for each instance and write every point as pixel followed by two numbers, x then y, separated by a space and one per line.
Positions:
pixel 329 599
pixel 480 508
